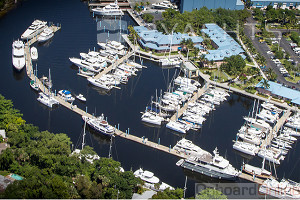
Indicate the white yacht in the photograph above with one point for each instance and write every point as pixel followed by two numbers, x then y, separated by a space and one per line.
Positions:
pixel 47 99
pixel 164 5
pixel 268 116
pixel 258 123
pixel 111 9
pixel 291 132
pixel 151 180
pixel 136 65
pixel 100 83
pixel 189 148
pixel 252 139
pixel 178 126
pixel 269 155
pixel 284 189
pixel 34 85
pixel 47 34
pixel 66 95
pixel 294 121
pixel 186 81
pixel 215 167
pixel 100 125
pixel 115 45
pixel 91 64
pixel 152 118
pixel 246 148
pixel 34 29
pixel 34 53
pixel 170 61
pixel 271 107
pixel 81 97
pixel 18 54
pixel 196 119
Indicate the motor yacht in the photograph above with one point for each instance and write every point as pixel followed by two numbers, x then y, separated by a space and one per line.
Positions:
pixel 246 148
pixel 66 95
pixel 34 53
pixel 178 126
pixel 34 29
pixel 164 5
pixel 111 9
pixel 46 35
pixel 100 125
pixel 47 99
pixel 18 55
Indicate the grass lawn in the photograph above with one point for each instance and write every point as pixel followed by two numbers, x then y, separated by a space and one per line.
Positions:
pixel 297 78
pixel 4 173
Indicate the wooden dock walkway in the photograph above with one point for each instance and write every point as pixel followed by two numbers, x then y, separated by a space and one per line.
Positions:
pixel 276 128
pixel 192 100
pixel 114 65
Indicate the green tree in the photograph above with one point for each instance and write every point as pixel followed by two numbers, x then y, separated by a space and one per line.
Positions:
pixel 265 84
pixel 209 193
pixel 233 65
pixel 169 194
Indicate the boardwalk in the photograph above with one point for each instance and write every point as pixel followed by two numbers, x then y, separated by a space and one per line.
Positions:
pixel 137 20
pixel 192 100
pixel 276 128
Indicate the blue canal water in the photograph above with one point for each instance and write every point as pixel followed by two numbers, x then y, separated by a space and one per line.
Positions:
pixel 80 32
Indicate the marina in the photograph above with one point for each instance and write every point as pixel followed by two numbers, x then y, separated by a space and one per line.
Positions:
pixel 153 137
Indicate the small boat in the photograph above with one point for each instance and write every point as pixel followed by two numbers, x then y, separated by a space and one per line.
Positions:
pixel 18 54
pixel 66 95
pixel 34 85
pixel 81 97
pixel 34 53
pixel 46 35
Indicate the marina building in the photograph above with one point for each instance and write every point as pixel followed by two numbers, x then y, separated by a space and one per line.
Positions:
pixel 223 44
pixel 189 5
pixel 284 4
pixel 157 41
pixel 279 91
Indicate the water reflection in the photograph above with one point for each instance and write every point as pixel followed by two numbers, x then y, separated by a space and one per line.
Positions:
pixel 18 75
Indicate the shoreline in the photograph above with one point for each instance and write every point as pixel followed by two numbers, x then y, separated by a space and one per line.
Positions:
pixel 8 7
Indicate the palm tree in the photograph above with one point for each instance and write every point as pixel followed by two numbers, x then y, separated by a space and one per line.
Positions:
pixel 265 84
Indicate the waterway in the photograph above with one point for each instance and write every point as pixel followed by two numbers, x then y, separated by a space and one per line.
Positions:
pixel 80 32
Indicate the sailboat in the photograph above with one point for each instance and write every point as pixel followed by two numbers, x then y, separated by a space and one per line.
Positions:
pixel 47 99
pixel 33 84
pixel 256 171
pixel 170 61
pixel 89 157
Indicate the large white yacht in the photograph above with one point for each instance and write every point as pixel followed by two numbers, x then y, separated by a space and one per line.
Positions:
pixel 35 28
pixel 111 9
pixel 151 180
pixel 100 125
pixel 100 83
pixel 18 54
pixel 246 148
pixel 215 167
pixel 178 126
pixel 164 5
pixel 92 64
pixel 152 118
pixel 46 35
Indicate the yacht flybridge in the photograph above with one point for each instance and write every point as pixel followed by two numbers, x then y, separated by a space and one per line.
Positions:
pixel 111 9
pixel 34 29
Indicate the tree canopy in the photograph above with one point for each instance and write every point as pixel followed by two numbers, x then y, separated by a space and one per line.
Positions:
pixel 234 65
pixel 194 20
pixel 50 170
pixel 209 193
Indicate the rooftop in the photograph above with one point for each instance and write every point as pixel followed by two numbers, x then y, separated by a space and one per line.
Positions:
pixel 157 40
pixel 282 91
pixel 283 1
pixel 227 46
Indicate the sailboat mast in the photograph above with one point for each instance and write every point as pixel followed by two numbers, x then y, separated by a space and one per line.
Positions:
pixel 49 82
pixel 170 46
pixel 110 145
pixel 83 136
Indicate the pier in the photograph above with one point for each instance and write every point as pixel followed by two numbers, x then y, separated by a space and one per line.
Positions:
pixel 276 128
pixel 114 65
pixel 197 94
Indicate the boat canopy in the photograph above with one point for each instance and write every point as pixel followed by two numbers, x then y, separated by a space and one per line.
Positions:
pixel 66 92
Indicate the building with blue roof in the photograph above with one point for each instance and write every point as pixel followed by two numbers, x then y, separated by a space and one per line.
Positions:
pixel 225 46
pixel 289 4
pixel 159 42
pixel 189 5
pixel 279 91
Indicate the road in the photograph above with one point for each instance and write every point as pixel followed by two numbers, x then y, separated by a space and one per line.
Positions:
pixel 263 48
